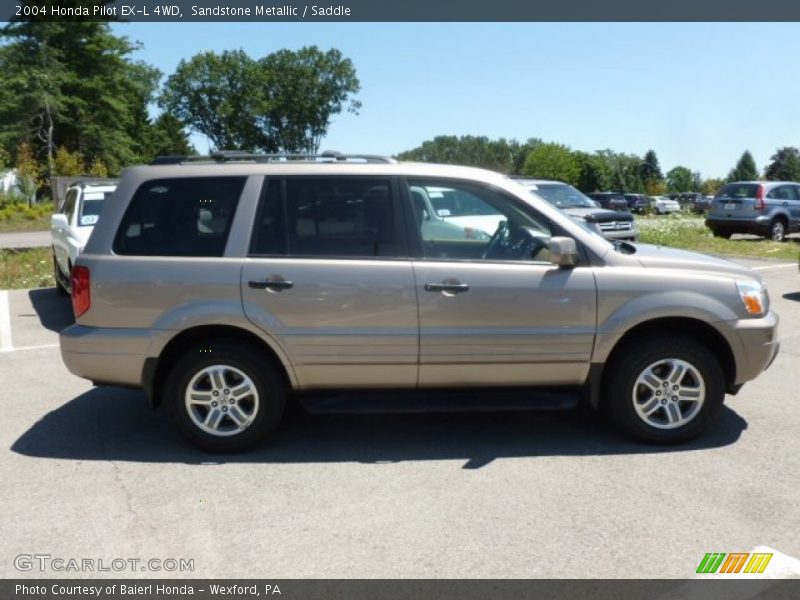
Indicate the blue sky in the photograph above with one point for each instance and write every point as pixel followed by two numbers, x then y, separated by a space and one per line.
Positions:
pixel 699 94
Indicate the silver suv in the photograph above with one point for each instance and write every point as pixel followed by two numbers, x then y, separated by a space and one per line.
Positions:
pixel 766 208
pixel 226 287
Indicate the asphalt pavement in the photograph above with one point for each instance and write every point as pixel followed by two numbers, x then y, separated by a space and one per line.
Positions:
pixel 93 473
pixel 25 239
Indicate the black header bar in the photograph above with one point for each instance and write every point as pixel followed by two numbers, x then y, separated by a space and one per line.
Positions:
pixel 402 10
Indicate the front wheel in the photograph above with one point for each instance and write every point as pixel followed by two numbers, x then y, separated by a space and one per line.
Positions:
pixel 665 391
pixel 224 396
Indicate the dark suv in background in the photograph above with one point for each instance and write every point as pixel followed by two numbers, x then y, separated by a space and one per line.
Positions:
pixel 769 209
pixel 638 203
pixel 610 200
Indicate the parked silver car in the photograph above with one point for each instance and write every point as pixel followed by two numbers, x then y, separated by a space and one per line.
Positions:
pixel 226 288
pixel 766 208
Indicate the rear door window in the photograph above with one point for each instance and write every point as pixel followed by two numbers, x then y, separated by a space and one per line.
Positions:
pixel 180 217
pixel 341 217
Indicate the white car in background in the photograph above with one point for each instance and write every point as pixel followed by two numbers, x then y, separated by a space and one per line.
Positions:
pixel 663 205
pixel 72 225
pixel 459 207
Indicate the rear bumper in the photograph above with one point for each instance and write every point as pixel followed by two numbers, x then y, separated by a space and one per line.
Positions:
pixel 759 224
pixel 105 355
pixel 758 346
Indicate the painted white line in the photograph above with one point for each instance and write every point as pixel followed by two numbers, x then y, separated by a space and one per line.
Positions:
pixel 19 349
pixel 6 345
pixel 774 267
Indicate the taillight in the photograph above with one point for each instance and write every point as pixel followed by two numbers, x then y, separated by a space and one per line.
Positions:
pixel 760 198
pixel 81 294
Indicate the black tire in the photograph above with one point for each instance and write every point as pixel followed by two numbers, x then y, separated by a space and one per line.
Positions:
pixel 777 230
pixel 60 288
pixel 633 360
pixel 247 359
pixel 721 233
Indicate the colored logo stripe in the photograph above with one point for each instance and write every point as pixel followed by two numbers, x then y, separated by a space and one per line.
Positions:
pixel 734 562
pixel 758 562
pixel 711 562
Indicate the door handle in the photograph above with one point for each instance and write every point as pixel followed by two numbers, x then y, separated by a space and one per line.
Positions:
pixel 275 285
pixel 453 288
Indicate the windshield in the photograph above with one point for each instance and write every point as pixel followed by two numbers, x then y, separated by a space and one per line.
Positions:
pixel 562 195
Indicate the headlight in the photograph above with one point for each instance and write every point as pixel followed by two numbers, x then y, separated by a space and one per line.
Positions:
pixel 754 297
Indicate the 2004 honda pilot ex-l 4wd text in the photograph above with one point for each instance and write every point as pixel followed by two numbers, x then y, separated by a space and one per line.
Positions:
pixel 227 286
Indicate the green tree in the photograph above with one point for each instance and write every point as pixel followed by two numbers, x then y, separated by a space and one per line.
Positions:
pixel 680 179
pixel 472 151
pixel 302 90
pixel 169 137
pixel 785 165
pixel 711 186
pixel 71 84
pixel 650 173
pixel 553 161
pixel 745 169
pixel 219 96
pixel 29 172
pixel 595 172
pixel 282 102
pixel 519 152
pixel 68 164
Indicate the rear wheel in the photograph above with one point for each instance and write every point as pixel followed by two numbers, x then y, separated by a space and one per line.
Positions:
pixel 777 230
pixel 224 396
pixel 721 233
pixel 665 391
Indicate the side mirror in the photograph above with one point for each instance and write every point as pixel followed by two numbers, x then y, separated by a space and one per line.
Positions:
pixel 563 252
pixel 59 220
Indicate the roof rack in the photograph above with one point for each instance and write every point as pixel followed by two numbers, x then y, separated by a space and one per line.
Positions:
pixel 95 181
pixel 223 156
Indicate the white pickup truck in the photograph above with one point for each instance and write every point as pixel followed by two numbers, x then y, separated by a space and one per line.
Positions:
pixel 72 225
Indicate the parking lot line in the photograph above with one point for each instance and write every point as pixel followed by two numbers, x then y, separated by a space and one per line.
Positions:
pixel 21 348
pixel 774 267
pixel 6 344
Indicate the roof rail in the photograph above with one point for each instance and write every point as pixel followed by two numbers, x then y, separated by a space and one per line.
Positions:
pixel 223 156
pixel 94 181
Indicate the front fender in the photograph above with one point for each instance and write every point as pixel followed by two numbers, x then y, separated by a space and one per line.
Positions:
pixel 659 305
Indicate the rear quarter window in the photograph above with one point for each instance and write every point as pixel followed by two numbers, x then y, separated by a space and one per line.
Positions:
pixel 179 217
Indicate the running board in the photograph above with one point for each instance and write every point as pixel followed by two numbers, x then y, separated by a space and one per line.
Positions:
pixel 421 401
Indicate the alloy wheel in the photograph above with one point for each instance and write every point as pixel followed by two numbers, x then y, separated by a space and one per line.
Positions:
pixel 669 393
pixel 221 400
